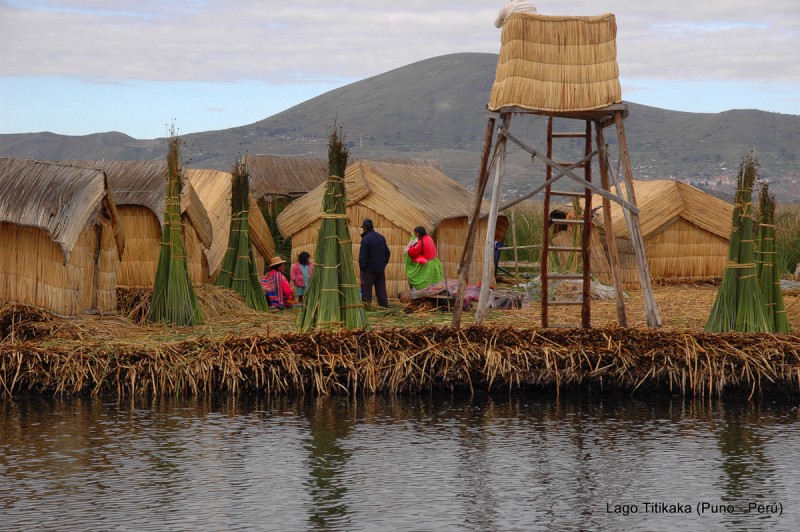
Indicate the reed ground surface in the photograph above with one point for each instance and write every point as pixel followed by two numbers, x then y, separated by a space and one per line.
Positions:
pixel 683 308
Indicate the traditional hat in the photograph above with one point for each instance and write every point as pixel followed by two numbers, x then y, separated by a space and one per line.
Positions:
pixel 276 260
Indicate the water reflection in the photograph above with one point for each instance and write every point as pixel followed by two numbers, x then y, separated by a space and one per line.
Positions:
pixel 418 462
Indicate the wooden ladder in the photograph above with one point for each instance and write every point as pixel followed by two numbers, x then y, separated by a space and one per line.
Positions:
pixel 585 223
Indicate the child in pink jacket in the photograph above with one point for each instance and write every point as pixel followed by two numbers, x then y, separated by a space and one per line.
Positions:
pixel 301 273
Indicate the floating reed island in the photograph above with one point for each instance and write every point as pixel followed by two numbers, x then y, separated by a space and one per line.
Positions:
pixel 240 350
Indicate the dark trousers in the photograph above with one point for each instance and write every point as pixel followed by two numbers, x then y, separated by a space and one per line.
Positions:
pixel 378 280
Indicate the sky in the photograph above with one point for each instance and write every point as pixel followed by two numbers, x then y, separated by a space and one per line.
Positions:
pixel 138 66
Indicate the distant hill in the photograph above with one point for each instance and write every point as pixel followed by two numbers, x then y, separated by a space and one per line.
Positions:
pixel 435 109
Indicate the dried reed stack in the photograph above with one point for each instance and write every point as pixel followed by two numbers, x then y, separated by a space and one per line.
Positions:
pixel 739 305
pixel 174 300
pixel 499 359
pixel 239 270
pixel 767 265
pixel 332 299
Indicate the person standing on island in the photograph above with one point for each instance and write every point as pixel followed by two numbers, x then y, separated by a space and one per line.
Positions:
pixel 423 268
pixel 514 6
pixel 301 273
pixel 373 256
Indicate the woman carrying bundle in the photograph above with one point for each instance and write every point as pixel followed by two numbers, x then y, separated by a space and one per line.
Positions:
pixel 423 268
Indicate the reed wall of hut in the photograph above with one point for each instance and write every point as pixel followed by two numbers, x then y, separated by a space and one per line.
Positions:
pixel 61 237
pixel 396 196
pixel 686 235
pixel 139 191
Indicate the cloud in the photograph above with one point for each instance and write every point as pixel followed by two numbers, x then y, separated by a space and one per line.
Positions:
pixel 279 42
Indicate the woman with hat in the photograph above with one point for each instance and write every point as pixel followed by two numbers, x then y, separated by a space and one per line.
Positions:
pixel 276 285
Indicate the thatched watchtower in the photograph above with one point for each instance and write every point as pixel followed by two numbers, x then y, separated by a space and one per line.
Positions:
pixel 60 236
pixel 565 68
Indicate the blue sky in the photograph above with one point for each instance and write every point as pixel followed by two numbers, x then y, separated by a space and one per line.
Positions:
pixel 135 66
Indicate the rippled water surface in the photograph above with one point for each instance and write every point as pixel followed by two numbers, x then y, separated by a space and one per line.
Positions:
pixel 410 463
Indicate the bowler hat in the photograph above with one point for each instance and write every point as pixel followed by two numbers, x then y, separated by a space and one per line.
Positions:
pixel 276 260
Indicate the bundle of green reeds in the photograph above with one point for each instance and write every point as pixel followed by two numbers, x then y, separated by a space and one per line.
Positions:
pixel 174 300
pixel 739 305
pixel 332 298
pixel 767 265
pixel 238 271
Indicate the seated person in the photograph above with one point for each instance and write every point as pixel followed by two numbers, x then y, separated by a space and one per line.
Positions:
pixel 276 286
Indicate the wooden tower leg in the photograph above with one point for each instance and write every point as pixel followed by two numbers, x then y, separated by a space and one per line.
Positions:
pixel 611 241
pixel 651 309
pixel 488 252
pixel 465 261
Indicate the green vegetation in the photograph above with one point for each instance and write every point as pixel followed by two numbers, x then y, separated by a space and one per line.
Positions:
pixel 739 305
pixel 766 265
pixel 332 299
pixel 526 221
pixel 787 237
pixel 174 300
pixel 238 271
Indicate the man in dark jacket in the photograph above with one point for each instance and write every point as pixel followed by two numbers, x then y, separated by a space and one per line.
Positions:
pixel 372 260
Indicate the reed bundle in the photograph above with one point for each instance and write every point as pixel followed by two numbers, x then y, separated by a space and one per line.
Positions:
pixel 174 300
pixel 332 298
pixel 739 305
pixel 394 360
pixel 767 265
pixel 238 270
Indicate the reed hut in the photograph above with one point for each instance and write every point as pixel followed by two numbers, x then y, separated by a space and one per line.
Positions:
pixel 277 180
pixel 139 189
pixel 686 234
pixel 397 196
pixel 213 187
pixel 61 238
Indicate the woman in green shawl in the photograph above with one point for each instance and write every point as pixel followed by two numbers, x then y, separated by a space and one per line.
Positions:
pixel 422 267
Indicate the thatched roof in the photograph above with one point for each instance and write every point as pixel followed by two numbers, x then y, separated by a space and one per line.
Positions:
pixel 661 202
pixel 409 193
pixel 280 175
pixel 143 183
pixel 59 199
pixel 557 64
pixel 214 189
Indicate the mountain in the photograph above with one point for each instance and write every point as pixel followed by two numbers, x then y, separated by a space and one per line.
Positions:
pixel 434 109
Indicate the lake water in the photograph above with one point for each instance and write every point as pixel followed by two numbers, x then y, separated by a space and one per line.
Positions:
pixel 520 462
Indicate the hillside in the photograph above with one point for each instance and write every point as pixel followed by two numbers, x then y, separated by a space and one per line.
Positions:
pixel 435 109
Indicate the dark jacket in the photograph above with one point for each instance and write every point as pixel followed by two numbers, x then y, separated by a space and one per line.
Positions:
pixel 374 253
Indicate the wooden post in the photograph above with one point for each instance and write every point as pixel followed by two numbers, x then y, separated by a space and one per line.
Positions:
pixel 491 225
pixel 651 309
pixel 586 312
pixel 514 243
pixel 611 241
pixel 465 261
pixel 544 259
